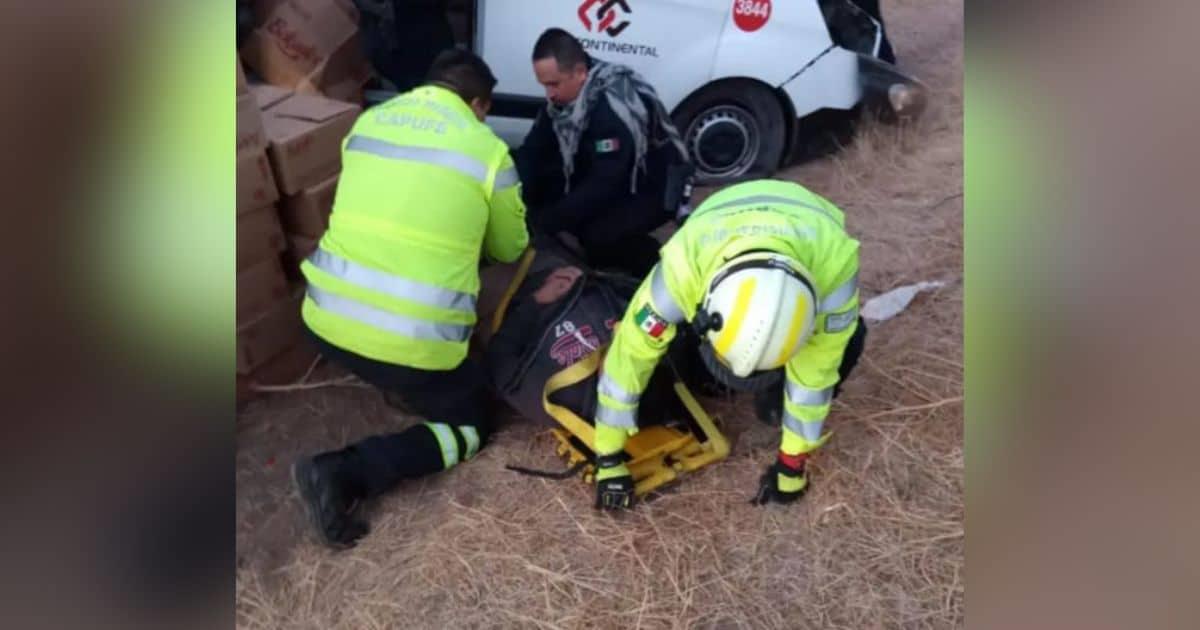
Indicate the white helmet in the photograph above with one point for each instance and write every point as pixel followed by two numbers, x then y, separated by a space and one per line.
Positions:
pixel 758 311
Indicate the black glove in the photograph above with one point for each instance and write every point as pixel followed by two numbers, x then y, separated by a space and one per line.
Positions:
pixel 614 484
pixel 783 482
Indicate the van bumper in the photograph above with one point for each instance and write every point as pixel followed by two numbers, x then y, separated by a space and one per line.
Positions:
pixel 890 92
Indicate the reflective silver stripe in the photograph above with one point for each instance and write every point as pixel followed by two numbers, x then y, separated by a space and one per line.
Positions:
pixel 745 201
pixel 471 437
pixel 506 178
pixel 810 431
pixel 395 286
pixel 800 395
pixel 445 438
pixel 663 302
pixel 460 162
pixel 840 296
pixel 609 387
pixel 391 322
pixel 626 418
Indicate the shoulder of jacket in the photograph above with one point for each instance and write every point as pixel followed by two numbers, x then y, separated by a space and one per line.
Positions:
pixel 603 112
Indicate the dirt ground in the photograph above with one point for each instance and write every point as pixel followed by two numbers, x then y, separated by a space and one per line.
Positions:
pixel 877 542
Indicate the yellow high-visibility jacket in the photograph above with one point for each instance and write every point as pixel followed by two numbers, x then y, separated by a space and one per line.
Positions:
pixel 764 215
pixel 425 189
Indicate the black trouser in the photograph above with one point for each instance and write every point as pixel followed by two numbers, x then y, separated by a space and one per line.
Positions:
pixel 619 236
pixel 453 397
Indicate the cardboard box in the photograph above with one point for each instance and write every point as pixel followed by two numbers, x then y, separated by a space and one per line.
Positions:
pixel 288 366
pixel 268 335
pixel 242 86
pixel 251 138
pixel 298 248
pixel 259 237
pixel 267 96
pixel 259 288
pixel 255 182
pixel 295 38
pixel 307 213
pixel 264 8
pixel 243 392
pixel 305 134
pixel 309 43
pixel 301 246
pixel 343 75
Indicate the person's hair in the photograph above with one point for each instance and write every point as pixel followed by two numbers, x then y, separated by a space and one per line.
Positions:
pixel 562 46
pixel 464 72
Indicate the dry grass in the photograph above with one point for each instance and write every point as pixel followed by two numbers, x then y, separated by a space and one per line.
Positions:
pixel 877 543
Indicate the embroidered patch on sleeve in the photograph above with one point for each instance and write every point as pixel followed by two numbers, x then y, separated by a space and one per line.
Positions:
pixel 837 322
pixel 607 145
pixel 650 322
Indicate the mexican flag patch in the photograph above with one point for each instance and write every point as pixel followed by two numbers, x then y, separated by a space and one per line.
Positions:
pixel 650 322
pixel 608 145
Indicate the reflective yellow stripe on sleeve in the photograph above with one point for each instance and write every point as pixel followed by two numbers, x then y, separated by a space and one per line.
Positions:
pixel 799 395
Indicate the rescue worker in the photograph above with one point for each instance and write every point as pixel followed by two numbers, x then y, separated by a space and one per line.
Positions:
pixel 765 274
pixel 603 160
pixel 425 188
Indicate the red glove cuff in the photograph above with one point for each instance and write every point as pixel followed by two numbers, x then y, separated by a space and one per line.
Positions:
pixel 793 462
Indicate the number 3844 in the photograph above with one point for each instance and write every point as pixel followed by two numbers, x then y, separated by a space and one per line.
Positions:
pixel 750 7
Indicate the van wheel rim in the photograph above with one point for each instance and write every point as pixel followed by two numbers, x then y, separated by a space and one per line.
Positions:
pixel 723 141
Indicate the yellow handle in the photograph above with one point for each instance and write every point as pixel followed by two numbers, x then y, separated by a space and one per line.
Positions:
pixel 522 270
pixel 576 373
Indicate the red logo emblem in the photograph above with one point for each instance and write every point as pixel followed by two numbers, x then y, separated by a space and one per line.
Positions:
pixel 604 15
pixel 751 15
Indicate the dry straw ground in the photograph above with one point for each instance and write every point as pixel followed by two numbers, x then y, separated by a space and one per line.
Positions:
pixel 877 543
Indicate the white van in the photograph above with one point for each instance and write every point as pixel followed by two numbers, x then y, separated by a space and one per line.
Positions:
pixel 742 78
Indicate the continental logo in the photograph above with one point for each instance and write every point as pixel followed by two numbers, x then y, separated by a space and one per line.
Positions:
pixel 611 18
pixel 602 14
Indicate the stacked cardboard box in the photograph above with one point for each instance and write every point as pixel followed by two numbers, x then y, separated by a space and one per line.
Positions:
pixel 289 157
pixel 310 46
pixel 305 217
pixel 305 136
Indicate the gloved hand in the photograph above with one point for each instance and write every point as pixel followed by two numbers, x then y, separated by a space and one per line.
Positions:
pixel 614 484
pixel 784 481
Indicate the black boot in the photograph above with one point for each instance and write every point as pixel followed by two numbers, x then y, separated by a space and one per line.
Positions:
pixel 331 500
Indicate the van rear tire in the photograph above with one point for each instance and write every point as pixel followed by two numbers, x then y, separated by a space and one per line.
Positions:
pixel 734 130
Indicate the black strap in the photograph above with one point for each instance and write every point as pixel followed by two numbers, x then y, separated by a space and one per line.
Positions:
pixel 566 474
pixel 610 460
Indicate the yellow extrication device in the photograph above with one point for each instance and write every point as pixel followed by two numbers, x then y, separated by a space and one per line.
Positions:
pixel 656 455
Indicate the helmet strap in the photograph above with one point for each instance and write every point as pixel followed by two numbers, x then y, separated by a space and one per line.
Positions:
pixel 704 321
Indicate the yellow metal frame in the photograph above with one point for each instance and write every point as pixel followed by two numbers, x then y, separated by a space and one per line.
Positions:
pixel 656 454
